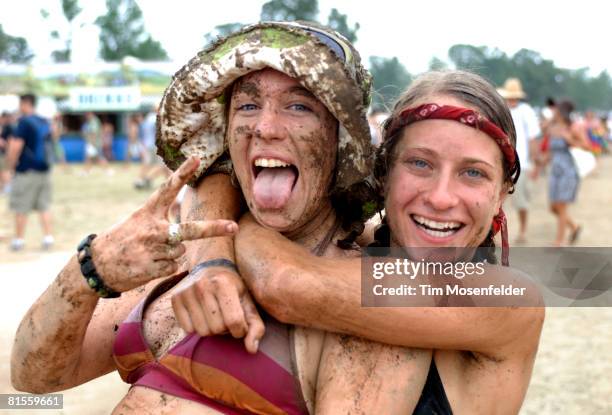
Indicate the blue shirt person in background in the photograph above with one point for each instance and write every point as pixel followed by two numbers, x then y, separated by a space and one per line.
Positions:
pixel 28 158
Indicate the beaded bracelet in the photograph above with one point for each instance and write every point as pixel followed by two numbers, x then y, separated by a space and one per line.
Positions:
pixel 88 269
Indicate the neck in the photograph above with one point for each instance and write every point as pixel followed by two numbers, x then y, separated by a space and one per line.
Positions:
pixel 313 233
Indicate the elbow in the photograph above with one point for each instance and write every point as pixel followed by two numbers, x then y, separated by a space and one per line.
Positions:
pixel 23 382
pixel 520 324
pixel 29 375
pixel 272 292
pixel 33 383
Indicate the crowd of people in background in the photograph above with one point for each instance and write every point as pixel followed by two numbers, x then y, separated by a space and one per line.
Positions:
pixel 551 139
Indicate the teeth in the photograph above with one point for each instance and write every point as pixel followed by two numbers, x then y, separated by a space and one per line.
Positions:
pixel 438 234
pixel 436 225
pixel 261 162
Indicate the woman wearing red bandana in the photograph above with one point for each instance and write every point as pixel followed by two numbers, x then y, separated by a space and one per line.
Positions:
pixel 446 165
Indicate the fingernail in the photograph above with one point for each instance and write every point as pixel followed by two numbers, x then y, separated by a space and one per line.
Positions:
pixel 256 343
pixel 231 228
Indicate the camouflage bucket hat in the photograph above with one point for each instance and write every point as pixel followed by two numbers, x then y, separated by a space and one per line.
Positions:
pixel 192 116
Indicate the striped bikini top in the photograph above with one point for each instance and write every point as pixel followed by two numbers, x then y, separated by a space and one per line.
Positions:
pixel 215 371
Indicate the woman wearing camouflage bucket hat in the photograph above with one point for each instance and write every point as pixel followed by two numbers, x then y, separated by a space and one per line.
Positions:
pixel 287 100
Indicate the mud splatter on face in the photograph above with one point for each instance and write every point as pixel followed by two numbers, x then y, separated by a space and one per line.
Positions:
pixel 249 88
pixel 288 123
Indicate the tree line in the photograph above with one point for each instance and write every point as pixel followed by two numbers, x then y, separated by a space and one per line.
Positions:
pixel 122 33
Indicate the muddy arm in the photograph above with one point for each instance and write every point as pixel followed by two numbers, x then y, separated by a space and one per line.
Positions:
pixel 299 288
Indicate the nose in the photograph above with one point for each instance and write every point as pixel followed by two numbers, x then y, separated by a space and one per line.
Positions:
pixel 269 125
pixel 441 194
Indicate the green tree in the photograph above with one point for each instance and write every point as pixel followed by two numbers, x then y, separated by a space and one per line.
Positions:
pixel 13 49
pixel 467 57
pixel 122 33
pixel 70 10
pixel 338 22
pixel 390 78
pixel 539 76
pixel 277 10
pixel 437 64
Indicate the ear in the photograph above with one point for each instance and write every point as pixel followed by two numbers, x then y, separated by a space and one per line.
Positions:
pixel 504 191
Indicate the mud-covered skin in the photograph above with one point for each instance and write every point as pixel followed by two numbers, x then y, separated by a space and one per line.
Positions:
pixel 191 117
pixel 272 116
pixel 66 337
pixel 151 402
pixel 377 377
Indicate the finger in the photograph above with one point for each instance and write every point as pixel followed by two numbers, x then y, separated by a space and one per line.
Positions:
pixel 181 313
pixel 194 306
pixel 231 310
pixel 168 252
pixel 162 198
pixel 190 231
pixel 213 315
pixel 256 327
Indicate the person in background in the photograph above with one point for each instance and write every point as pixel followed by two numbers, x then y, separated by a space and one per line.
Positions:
pixel 28 159
pixel 541 154
pixel 605 130
pixel 564 178
pixel 152 164
pixel 57 129
pixel 92 131
pixel 527 130
pixel 108 134
pixel 135 148
pixel 7 128
pixel 595 131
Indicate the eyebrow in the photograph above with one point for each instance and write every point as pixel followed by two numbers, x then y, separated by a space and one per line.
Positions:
pixel 476 161
pixel 300 90
pixel 468 160
pixel 247 88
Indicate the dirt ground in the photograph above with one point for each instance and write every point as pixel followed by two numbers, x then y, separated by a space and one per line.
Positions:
pixel 572 371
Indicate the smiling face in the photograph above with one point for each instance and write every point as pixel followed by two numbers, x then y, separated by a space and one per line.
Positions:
pixel 444 185
pixel 283 144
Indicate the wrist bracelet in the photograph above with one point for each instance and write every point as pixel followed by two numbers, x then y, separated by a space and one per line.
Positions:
pixel 88 269
pixel 217 262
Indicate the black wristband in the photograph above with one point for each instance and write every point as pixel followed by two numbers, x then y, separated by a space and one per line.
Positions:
pixel 217 262
pixel 88 269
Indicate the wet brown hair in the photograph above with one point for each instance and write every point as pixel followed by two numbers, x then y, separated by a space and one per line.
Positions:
pixel 465 86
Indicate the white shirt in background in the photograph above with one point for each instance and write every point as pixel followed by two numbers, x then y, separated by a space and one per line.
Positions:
pixel 527 128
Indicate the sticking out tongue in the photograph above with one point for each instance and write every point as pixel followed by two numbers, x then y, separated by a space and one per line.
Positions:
pixel 273 187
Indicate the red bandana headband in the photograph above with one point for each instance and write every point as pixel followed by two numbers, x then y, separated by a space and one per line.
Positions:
pixel 475 120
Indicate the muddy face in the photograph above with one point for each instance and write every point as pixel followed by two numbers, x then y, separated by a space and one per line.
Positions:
pixel 283 144
pixel 445 184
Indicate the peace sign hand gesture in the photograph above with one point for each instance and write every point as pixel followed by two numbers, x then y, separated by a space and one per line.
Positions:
pixel 146 246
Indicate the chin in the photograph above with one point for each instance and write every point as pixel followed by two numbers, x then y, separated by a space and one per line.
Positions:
pixel 278 221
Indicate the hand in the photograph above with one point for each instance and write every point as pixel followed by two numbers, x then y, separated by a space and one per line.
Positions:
pixel 138 249
pixel 215 301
